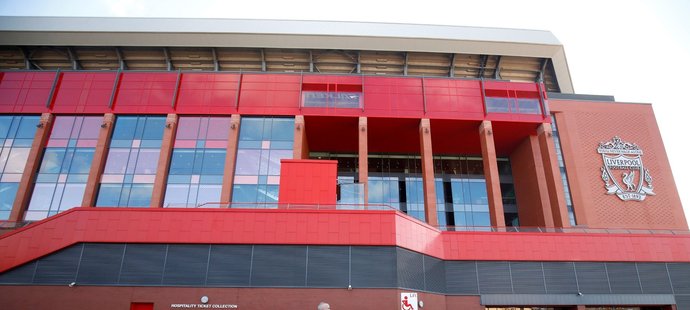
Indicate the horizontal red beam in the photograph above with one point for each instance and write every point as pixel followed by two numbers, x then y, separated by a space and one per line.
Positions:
pixel 326 227
pixel 134 92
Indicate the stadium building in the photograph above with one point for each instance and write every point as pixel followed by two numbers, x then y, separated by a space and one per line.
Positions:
pixel 265 164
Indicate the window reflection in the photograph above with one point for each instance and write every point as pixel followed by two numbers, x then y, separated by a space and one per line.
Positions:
pixel 396 181
pixel 65 166
pixel 16 136
pixel 461 194
pixel 198 161
pixel 130 169
pixel 263 143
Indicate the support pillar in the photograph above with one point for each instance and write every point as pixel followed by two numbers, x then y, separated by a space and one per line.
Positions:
pixel 23 197
pixel 493 182
pixel 428 172
pixel 531 192
pixel 552 173
pixel 300 148
pixel 100 156
pixel 363 157
pixel 230 157
pixel 161 181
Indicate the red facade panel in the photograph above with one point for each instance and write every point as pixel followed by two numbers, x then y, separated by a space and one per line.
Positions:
pixel 387 96
pixel 207 93
pixel 453 99
pixel 145 93
pixel 308 181
pixel 84 92
pixel 25 92
pixel 270 94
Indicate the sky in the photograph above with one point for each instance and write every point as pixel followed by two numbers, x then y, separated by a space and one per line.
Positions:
pixel 634 50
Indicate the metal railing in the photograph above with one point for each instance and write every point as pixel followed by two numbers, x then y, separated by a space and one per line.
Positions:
pixel 581 230
pixel 285 206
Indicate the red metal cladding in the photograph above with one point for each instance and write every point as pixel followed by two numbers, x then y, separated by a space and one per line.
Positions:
pixel 389 96
pixel 326 227
pixel 308 181
pixel 453 99
pixel 25 91
pixel 207 93
pixel 84 92
pixel 270 94
pixel 146 93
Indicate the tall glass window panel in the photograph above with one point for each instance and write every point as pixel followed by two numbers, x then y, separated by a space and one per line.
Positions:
pixel 198 161
pixel 65 166
pixel 16 136
pixel 130 169
pixel 564 173
pixel 263 142
pixel 396 181
pixel 462 186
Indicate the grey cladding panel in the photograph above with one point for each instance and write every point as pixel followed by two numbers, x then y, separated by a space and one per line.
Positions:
pixel 654 278
pixel 186 264
pixel 494 278
pixel 143 264
pixel 229 265
pixel 21 275
pixel 680 277
pixel 560 277
pixel 60 267
pixel 461 278
pixel 373 266
pixel 410 269
pixel 435 272
pixel 328 266
pixel 277 265
pixel 623 278
pixel 100 263
pixel 592 278
pixel 528 278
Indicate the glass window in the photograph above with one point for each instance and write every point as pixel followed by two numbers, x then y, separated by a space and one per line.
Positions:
pixel 198 161
pixel 132 161
pixel 263 143
pixel 65 166
pixel 16 137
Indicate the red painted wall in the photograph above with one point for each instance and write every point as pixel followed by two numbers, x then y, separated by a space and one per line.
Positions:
pixel 308 181
pixel 84 92
pixel 326 227
pixel 25 91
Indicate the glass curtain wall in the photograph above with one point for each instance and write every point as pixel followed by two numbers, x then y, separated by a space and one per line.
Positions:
pixel 350 194
pixel 396 181
pixel 263 142
pixel 16 136
pixel 564 173
pixel 462 200
pixel 65 166
pixel 198 161
pixel 130 169
pixel 461 183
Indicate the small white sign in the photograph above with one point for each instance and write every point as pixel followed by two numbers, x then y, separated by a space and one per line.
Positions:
pixel 408 301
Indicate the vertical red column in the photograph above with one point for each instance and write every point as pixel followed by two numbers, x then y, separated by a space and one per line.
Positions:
pixel 363 154
pixel 33 161
pixel 100 156
pixel 531 192
pixel 493 183
pixel 230 157
pixel 300 148
pixel 553 176
pixel 161 181
pixel 428 172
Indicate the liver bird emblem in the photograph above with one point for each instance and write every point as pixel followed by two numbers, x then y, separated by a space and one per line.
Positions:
pixel 629 180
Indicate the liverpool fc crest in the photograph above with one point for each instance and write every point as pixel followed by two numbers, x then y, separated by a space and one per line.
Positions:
pixel 623 172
